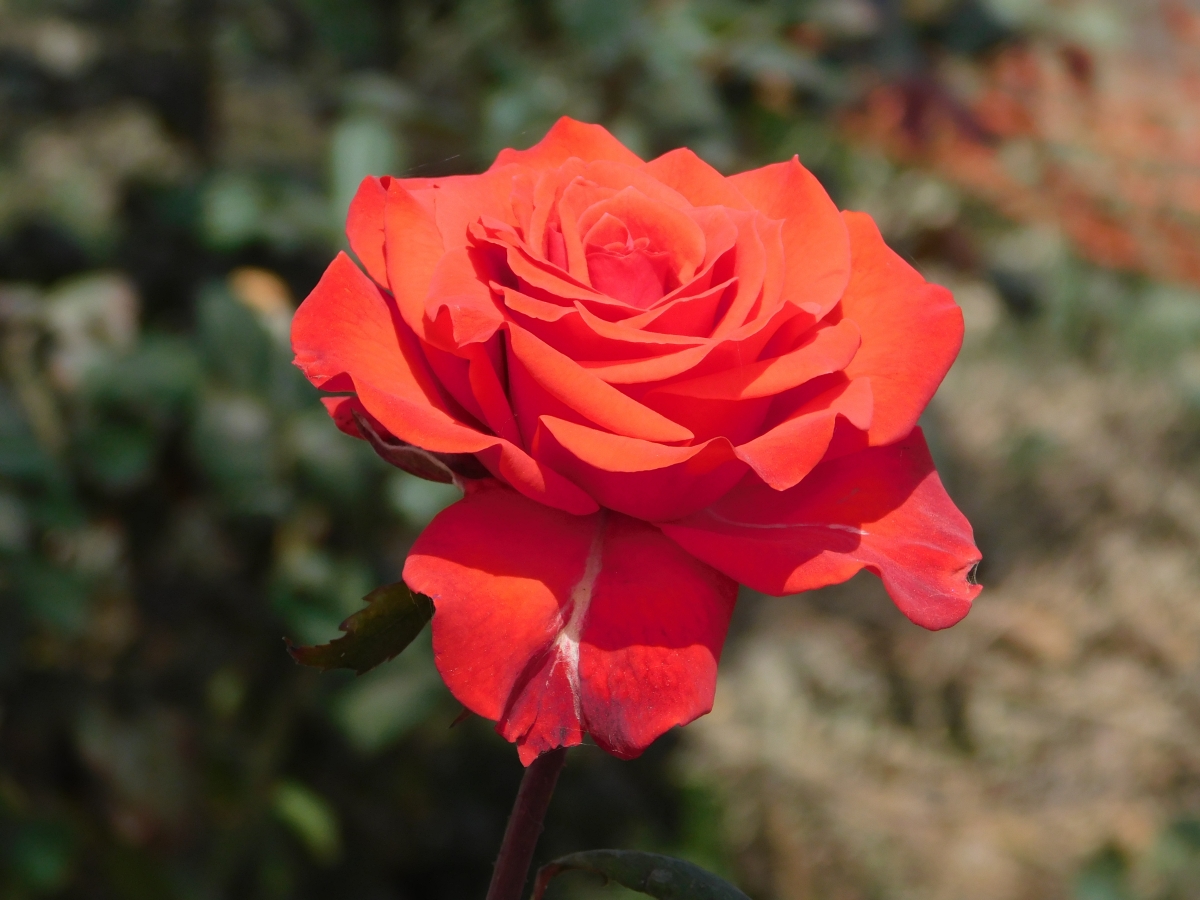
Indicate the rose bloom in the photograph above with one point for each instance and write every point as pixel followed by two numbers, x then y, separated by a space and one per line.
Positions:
pixel 665 383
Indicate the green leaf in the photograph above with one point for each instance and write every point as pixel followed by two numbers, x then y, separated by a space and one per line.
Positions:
pixel 393 617
pixel 648 873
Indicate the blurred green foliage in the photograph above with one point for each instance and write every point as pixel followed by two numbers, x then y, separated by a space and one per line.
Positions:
pixel 173 499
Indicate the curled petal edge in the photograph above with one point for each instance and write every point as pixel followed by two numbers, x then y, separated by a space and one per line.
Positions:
pixel 883 509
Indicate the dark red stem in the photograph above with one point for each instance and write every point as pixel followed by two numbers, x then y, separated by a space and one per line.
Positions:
pixel 525 826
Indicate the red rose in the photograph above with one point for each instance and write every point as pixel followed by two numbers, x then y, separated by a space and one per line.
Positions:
pixel 678 381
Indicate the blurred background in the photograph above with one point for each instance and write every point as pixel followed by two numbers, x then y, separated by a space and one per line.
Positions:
pixel 173 500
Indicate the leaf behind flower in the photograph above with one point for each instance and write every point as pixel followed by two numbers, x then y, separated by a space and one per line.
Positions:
pixel 393 616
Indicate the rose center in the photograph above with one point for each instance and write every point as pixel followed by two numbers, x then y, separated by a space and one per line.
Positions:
pixel 629 270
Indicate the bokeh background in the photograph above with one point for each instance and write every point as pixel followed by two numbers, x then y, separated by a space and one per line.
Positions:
pixel 173 501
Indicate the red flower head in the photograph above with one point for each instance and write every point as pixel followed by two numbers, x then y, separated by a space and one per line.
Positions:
pixel 677 382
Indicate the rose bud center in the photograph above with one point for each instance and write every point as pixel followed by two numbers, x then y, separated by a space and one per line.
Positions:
pixel 626 267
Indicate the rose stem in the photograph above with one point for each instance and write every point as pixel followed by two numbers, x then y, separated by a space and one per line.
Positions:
pixel 525 826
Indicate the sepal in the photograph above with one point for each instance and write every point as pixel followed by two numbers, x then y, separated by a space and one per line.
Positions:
pixel 447 468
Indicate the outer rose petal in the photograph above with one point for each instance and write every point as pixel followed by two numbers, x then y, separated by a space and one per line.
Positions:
pixel 815 242
pixel 883 509
pixel 559 626
pixel 566 139
pixel 911 331
pixel 348 326
pixel 502 458
pixel 348 336
pixel 459 201
pixel 364 226
pixel 691 176
pixel 414 247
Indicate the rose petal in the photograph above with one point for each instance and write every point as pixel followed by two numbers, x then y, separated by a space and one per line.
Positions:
pixel 558 626
pixel 565 380
pixel 456 202
pixel 504 459
pixel 341 410
pixel 787 452
pixel 638 277
pixel 745 343
pixel 639 478
pixel 695 179
pixel 825 350
pixel 757 241
pixel 459 303
pixel 648 369
pixel 364 226
pixel 414 247
pixel 463 200
pixel 621 333
pixel 543 311
pixel 577 196
pixel 586 337
pixel 537 481
pixel 666 228
pixel 912 331
pixel 348 327
pixel 352 418
pixel 566 139
pixel 617 177
pixel 731 352
pixel 720 234
pixel 816 244
pixel 547 282
pixel 566 329
pixel 483 375
pixel 452 372
pixel 546 193
pixel 883 509
pixel 687 316
pixel 737 421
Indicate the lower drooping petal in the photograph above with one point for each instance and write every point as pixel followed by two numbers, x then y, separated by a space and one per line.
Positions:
pixel 883 509
pixel 559 626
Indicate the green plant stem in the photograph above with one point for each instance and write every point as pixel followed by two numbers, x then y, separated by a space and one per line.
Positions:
pixel 525 826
